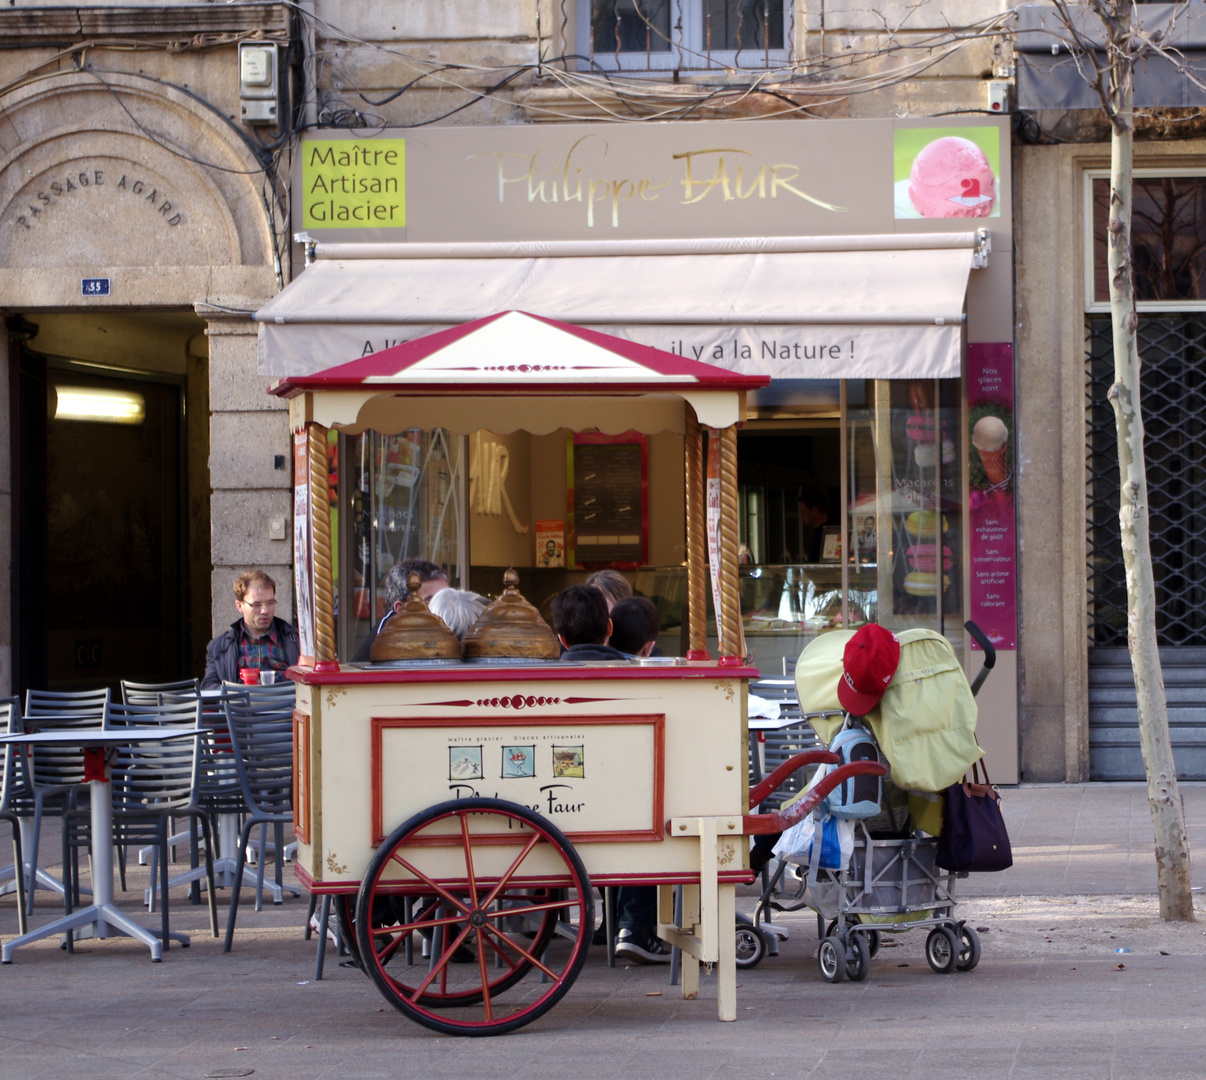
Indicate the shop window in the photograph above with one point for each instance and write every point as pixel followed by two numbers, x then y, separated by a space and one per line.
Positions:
pixel 405 499
pixel 851 514
pixel 636 35
pixel 1168 225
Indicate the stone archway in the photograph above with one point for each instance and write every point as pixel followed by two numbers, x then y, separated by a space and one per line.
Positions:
pixel 137 184
pixel 134 180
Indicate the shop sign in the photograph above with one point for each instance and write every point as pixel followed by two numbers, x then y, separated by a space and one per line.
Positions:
pixel 991 511
pixel 354 184
pixel 656 180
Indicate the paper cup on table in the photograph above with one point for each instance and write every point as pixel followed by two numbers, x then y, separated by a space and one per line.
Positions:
pixel 249 675
pixel 989 437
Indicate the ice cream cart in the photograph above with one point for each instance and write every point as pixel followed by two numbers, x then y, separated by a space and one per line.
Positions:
pixel 465 811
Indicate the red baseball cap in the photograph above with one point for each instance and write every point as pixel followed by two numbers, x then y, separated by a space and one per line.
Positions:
pixel 868 665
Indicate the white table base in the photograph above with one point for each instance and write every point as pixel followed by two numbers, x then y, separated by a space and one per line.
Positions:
pixel 101 918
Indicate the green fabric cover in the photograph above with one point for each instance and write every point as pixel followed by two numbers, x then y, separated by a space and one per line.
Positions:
pixel 925 723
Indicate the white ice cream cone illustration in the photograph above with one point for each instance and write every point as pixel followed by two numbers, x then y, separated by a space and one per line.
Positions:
pixel 990 437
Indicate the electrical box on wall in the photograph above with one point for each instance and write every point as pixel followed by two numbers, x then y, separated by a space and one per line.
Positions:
pixel 259 88
pixel 998 95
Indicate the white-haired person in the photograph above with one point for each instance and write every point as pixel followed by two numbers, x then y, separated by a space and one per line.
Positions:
pixel 459 608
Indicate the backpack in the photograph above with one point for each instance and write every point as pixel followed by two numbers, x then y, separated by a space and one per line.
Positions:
pixel 857 796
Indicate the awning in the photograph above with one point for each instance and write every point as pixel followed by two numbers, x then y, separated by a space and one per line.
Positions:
pixel 799 308
pixel 551 375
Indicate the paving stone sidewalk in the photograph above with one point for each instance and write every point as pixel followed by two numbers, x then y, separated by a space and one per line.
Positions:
pixel 107 1012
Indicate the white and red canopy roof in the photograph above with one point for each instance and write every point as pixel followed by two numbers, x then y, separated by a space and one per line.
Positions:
pixel 551 375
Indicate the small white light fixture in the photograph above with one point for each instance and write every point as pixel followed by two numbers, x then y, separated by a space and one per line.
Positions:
pixel 258 78
pixel 99 406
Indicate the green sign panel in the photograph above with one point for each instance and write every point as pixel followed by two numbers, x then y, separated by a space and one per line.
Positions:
pixel 354 184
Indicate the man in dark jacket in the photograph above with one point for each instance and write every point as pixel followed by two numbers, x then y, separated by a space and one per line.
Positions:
pixel 258 639
pixel 581 623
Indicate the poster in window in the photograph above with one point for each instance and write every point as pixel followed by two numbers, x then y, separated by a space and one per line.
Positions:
pixel 831 544
pixel 608 500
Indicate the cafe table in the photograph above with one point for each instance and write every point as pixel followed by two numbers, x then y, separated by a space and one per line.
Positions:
pixel 102 918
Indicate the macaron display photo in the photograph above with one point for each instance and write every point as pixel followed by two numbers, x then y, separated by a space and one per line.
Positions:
pixel 924 523
pixel 921 583
pixel 926 454
pixel 924 557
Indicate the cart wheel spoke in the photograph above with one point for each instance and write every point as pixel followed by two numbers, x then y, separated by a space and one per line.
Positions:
pixel 469 875
pixel 514 864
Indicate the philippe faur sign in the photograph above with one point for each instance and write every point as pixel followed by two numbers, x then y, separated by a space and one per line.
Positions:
pixel 647 181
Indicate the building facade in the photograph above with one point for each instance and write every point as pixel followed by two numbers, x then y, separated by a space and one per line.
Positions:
pixel 153 180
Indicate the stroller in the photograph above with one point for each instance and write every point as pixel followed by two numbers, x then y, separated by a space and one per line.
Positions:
pixel 891 882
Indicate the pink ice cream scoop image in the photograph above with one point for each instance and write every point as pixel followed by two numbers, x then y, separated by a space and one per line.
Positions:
pixel 951 178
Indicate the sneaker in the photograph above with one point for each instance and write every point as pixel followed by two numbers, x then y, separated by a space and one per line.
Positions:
pixel 332 927
pixel 644 950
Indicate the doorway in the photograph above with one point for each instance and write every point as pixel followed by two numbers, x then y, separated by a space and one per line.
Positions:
pixel 105 585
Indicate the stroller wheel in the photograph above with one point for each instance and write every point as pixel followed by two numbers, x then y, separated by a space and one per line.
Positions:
pixel 873 942
pixel 858 958
pixel 969 948
pixel 942 950
pixel 751 945
pixel 831 959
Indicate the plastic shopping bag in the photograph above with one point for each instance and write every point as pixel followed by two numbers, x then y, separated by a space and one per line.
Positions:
pixel 837 842
pixel 836 838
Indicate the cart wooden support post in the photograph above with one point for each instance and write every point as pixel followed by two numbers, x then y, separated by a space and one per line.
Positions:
pixel 313 550
pixel 696 610
pixel 324 568
pixel 723 523
pixel 705 931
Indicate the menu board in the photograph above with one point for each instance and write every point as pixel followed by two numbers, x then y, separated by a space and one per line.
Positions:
pixel 608 500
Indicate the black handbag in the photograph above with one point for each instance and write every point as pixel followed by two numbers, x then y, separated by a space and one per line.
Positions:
pixel 973 837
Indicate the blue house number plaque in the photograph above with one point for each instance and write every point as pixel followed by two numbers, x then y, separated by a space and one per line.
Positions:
pixel 94 286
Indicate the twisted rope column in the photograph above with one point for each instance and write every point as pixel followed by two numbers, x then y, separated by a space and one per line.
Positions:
pixel 320 545
pixel 697 612
pixel 728 620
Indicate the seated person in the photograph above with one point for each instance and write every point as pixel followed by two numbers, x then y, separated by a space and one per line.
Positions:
pixel 459 608
pixel 257 639
pixel 635 624
pixel 612 584
pixel 432 580
pixel 581 624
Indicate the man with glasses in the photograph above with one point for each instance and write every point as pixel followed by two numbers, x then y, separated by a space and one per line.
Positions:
pixel 258 639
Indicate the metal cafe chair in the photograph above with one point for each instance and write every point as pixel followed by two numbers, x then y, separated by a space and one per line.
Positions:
pixel 56 776
pixel 152 783
pixel 13 781
pixel 140 693
pixel 219 794
pixel 137 693
pixel 270 696
pixel 263 749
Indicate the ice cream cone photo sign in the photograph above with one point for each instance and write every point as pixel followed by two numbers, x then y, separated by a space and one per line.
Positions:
pixel 990 437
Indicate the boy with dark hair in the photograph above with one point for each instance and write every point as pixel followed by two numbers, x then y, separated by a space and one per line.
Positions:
pixel 635 623
pixel 581 624
pixel 634 626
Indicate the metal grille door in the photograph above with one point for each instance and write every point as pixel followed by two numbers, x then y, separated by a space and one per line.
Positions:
pixel 1173 400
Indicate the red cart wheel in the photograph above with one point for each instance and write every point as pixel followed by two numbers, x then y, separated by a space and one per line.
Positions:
pixel 390 914
pixel 503 901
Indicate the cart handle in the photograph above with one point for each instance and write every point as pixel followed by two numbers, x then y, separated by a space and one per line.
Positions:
pixel 768 783
pixel 990 654
pixel 759 824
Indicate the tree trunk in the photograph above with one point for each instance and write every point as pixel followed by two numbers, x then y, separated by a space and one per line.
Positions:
pixel 1168 822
